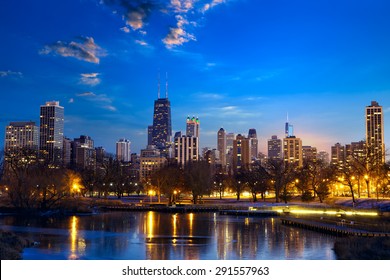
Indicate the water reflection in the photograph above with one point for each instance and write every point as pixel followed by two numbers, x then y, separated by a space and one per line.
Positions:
pixel 151 235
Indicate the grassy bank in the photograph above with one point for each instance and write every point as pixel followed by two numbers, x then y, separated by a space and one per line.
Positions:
pixel 363 248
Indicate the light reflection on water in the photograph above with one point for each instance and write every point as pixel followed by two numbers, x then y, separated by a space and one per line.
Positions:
pixel 152 235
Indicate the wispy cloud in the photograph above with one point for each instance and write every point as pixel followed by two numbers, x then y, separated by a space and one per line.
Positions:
pixel 91 79
pixel 102 100
pixel 10 73
pixel 209 96
pixel 141 43
pixel 212 4
pixel 178 35
pixel 84 49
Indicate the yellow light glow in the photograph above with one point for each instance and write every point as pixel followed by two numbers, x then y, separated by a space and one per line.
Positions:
pixel 329 212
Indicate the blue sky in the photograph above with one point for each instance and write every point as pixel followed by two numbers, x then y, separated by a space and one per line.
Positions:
pixel 236 64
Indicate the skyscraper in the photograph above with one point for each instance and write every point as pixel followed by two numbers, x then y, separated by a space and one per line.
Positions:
pixel 375 131
pixel 21 135
pixel 192 126
pixel 254 143
pixel 162 127
pixel 51 131
pixel 123 152
pixel 274 148
pixel 221 146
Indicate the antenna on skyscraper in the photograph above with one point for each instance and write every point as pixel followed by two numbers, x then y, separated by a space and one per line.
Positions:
pixel 158 85
pixel 287 116
pixel 166 85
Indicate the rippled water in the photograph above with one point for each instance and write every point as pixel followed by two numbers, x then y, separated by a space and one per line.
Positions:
pixel 163 236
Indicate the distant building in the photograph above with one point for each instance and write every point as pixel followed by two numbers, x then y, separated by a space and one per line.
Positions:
pixel 67 151
pixel 83 152
pixel 254 143
pixel 338 155
pixel 375 131
pixel 221 146
pixel 241 153
pixel 309 153
pixel 292 150
pixel 192 127
pixel 151 160
pixel 162 127
pixel 186 148
pixel 274 148
pixel 51 130
pixel 20 135
pixel 123 151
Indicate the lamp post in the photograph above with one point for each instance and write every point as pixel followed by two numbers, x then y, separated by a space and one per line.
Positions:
pixel 150 193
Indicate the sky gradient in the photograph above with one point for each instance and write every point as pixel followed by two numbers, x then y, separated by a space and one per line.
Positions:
pixel 236 64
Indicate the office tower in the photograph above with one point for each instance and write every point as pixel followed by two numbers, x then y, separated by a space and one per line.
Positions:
pixel 123 152
pixel 338 155
pixel 151 160
pixel 323 156
pixel 162 128
pixel 83 152
pixel 192 127
pixel 221 146
pixel 51 129
pixel 292 150
pixel 241 153
pixel 288 129
pixel 186 149
pixel 375 131
pixel 254 143
pixel 309 153
pixel 275 148
pixel 20 135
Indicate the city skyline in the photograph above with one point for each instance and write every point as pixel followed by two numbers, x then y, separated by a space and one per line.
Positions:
pixel 234 64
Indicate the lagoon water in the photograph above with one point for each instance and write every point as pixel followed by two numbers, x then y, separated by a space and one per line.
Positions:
pixel 165 236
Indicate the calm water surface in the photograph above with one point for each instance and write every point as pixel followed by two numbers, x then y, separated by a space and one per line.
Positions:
pixel 163 236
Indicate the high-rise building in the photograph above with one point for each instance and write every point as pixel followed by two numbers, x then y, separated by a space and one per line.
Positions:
pixel 186 149
pixel 20 135
pixel 221 146
pixel 123 152
pixel 241 152
pixel 274 148
pixel 254 143
pixel 338 155
pixel 51 129
pixel 375 131
pixel 292 150
pixel 289 130
pixel 162 127
pixel 192 127
pixel 309 153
